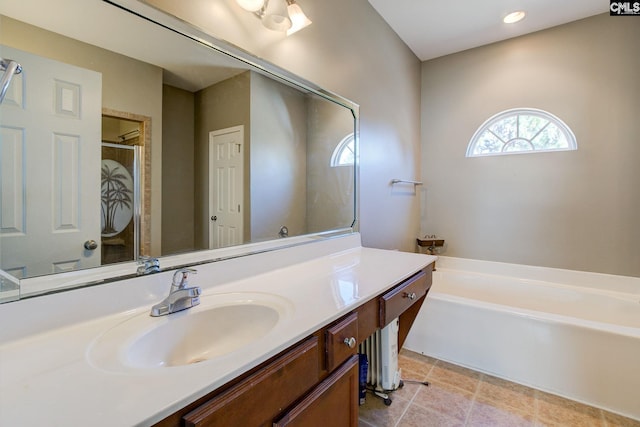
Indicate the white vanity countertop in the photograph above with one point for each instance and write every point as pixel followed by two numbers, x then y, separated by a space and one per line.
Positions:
pixel 50 374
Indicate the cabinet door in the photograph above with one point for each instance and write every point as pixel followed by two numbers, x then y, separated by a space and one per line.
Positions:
pixel 334 402
pixel 259 398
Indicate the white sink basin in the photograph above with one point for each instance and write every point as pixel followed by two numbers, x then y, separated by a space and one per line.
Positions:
pixel 219 326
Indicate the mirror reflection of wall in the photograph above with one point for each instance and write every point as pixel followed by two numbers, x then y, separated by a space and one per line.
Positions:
pixel 331 159
pixel 178 232
pixel 287 157
pixel 285 141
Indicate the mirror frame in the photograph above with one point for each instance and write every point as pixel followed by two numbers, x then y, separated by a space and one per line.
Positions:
pixel 58 282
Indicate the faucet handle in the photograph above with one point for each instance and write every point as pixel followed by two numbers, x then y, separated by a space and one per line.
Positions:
pixel 180 278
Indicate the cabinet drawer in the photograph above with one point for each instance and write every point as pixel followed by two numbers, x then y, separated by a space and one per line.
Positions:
pixel 256 400
pixel 342 341
pixel 400 298
pixel 334 402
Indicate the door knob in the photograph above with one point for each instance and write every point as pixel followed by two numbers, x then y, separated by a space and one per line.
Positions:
pixel 214 218
pixel 90 245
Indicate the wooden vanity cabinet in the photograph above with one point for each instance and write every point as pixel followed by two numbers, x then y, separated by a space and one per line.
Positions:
pixel 334 402
pixel 314 382
pixel 262 395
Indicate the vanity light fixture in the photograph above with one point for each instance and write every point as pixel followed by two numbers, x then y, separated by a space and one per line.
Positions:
pixel 298 19
pixel 514 17
pixel 251 5
pixel 277 15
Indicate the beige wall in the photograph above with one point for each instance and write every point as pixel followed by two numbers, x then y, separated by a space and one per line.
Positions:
pixel 349 50
pixel 219 106
pixel 178 219
pixel 275 171
pixel 278 158
pixel 330 190
pixel 576 210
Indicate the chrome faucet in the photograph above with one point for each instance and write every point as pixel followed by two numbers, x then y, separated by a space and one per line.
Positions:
pixel 148 265
pixel 181 296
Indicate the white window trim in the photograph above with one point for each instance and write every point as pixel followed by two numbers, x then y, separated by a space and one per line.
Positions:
pixel 337 152
pixel 569 135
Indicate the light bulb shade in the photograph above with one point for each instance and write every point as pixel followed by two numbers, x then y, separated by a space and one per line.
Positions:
pixel 298 19
pixel 275 16
pixel 251 5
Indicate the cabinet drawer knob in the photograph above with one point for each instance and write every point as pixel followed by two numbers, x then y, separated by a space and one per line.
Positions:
pixel 350 342
pixel 410 295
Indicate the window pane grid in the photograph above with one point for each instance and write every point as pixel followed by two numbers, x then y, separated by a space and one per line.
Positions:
pixel 521 131
pixel 344 153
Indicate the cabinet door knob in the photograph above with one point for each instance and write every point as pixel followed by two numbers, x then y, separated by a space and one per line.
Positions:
pixel 410 295
pixel 350 342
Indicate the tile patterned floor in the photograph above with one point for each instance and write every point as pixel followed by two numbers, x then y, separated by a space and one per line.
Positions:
pixel 458 396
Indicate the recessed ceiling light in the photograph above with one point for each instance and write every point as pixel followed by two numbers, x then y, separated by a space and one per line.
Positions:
pixel 514 17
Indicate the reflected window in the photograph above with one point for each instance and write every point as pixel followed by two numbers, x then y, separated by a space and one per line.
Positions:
pixel 521 130
pixel 344 153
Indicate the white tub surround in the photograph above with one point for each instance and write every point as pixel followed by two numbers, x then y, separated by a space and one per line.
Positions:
pixel 571 333
pixel 50 374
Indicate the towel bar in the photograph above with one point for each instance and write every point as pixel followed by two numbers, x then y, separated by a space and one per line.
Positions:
pixel 404 181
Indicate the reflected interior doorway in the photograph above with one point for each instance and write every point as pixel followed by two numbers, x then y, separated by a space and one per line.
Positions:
pixel 124 191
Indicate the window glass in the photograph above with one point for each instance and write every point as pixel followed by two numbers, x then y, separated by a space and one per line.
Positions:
pixel 522 130
pixel 344 153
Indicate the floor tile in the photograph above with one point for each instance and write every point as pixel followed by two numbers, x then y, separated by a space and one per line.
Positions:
pixel 556 410
pixel 615 420
pixel 377 414
pixel 506 394
pixel 417 416
pixel 362 423
pixel 407 391
pixel 454 375
pixel 445 399
pixel 458 396
pixel 486 413
pixel 414 365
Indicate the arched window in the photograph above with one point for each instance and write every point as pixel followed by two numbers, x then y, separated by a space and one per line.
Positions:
pixel 344 153
pixel 521 130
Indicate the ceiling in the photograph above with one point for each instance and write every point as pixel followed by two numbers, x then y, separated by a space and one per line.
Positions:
pixel 433 28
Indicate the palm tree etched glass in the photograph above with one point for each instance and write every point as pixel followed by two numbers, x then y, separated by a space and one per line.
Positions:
pixel 115 196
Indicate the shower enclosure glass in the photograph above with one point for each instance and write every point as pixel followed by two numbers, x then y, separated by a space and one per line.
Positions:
pixel 120 198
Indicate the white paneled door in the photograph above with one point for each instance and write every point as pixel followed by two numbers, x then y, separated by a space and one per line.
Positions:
pixel 226 166
pixel 50 138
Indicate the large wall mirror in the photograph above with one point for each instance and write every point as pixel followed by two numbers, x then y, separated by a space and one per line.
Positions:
pixel 123 138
